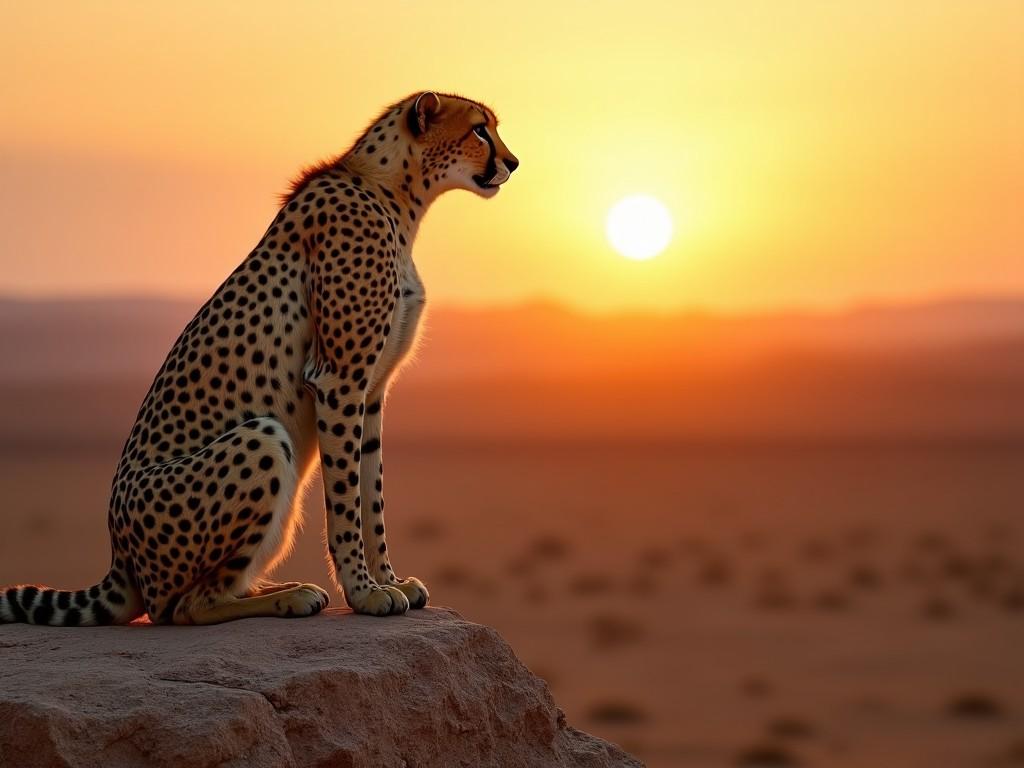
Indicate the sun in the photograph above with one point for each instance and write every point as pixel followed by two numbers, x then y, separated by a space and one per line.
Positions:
pixel 639 227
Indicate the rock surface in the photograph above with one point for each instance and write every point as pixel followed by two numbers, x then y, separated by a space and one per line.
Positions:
pixel 336 690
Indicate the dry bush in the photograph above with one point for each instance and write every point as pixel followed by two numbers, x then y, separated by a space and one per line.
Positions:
pixel 608 631
pixel 791 728
pixel 938 608
pixel 549 547
pixel 1013 600
pixel 454 575
pixel 766 755
pixel 775 599
pixel 975 705
pixel 756 687
pixel 654 557
pixel 817 550
pixel 614 712
pixel 715 572
pixel 590 584
pixel 865 576
pixel 426 529
pixel 832 600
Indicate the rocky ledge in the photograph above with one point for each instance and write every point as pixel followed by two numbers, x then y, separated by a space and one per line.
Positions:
pixel 336 690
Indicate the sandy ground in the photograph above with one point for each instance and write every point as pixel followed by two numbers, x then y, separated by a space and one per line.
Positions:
pixel 758 605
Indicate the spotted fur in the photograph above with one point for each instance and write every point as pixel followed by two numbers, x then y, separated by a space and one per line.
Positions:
pixel 288 362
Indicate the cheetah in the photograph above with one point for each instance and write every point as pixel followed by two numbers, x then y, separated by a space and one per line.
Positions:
pixel 289 361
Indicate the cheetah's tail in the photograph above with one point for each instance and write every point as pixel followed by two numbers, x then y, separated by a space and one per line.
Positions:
pixel 112 601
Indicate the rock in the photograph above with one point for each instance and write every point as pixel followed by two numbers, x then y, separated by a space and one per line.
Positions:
pixel 336 690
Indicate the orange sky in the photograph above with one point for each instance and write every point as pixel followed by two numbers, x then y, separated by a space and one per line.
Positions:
pixel 811 153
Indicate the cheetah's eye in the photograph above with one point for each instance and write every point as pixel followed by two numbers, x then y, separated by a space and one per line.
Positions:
pixel 480 131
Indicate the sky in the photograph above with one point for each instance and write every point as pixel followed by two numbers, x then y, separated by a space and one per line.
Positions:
pixel 811 154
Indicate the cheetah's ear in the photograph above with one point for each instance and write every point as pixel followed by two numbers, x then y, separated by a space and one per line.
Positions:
pixel 424 112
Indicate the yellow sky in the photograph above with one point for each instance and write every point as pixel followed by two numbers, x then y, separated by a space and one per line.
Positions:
pixel 812 153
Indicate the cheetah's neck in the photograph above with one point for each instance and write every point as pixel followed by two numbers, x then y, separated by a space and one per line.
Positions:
pixel 387 163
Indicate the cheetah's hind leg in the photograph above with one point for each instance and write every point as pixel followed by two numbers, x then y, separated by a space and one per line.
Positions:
pixel 205 603
pixel 240 531
pixel 235 589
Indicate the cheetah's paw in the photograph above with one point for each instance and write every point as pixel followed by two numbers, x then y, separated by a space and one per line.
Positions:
pixel 303 600
pixel 414 590
pixel 324 595
pixel 379 601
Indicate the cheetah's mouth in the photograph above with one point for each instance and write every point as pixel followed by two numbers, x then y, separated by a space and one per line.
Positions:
pixel 492 177
pixel 494 183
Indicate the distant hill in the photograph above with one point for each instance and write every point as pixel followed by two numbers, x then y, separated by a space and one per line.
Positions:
pixel 941 370
pixel 128 336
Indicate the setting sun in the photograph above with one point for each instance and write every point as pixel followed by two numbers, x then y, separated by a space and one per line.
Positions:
pixel 639 227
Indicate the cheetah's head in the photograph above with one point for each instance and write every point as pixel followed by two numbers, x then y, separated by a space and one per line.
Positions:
pixel 459 144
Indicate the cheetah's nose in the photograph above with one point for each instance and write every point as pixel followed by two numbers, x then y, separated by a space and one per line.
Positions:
pixel 511 163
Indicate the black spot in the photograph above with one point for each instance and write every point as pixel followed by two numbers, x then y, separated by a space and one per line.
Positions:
pixel 42 614
pixel 101 614
pixel 371 446
pixel 63 600
pixel 238 563
pixel 12 602
pixel 72 618
pixel 28 595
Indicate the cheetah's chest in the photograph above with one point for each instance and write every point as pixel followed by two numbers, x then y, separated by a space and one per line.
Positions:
pixel 404 325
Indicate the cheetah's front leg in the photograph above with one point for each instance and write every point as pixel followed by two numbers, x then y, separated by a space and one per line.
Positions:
pixel 371 476
pixel 339 416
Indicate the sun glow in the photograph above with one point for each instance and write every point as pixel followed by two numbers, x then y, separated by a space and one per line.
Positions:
pixel 639 227
pixel 188 129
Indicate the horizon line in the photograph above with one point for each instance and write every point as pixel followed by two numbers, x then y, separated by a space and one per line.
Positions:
pixel 854 306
